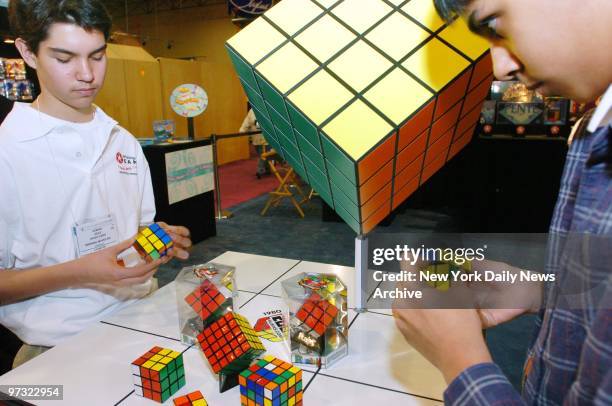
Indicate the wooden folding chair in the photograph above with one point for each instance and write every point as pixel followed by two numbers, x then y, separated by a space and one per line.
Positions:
pixel 287 184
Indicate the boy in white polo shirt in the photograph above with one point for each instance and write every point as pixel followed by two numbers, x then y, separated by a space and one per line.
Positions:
pixel 73 182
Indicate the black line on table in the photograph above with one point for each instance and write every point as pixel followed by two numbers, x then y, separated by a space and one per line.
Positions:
pixel 311 379
pixel 352 321
pixel 140 331
pixel 380 387
pixel 373 291
pixel 382 314
pixel 183 352
pixel 255 293
pixel 270 284
pixel 124 398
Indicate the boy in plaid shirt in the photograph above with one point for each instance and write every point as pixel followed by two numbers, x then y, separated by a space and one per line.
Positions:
pixel 557 47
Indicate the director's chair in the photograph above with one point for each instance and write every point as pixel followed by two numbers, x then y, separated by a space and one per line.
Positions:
pixel 288 186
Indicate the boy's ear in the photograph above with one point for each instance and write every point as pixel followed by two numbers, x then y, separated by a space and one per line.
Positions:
pixel 28 56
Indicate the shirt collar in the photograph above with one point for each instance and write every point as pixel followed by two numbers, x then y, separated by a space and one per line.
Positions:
pixel 41 125
pixel 603 114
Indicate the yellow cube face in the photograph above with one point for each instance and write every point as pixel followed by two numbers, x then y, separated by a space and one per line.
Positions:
pixel 159 245
pixel 365 99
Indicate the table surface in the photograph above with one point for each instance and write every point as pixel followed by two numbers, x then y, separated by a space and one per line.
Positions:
pixel 94 366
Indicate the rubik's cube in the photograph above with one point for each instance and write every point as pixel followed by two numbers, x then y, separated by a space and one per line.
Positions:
pixel 230 344
pixel 445 268
pixel 271 382
pixel 317 313
pixel 271 328
pixel 152 242
pixel 208 302
pixel 158 374
pixel 191 399
pixel 366 99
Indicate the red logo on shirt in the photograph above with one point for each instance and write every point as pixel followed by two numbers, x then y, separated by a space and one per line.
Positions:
pixel 127 164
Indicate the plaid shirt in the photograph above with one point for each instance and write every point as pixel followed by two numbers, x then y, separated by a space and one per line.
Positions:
pixel 570 360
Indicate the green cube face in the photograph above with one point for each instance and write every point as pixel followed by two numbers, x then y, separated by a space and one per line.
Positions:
pixel 340 97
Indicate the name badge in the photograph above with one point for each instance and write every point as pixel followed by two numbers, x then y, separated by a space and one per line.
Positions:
pixel 92 235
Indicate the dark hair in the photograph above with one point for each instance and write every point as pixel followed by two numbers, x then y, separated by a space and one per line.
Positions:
pixel 448 9
pixel 31 19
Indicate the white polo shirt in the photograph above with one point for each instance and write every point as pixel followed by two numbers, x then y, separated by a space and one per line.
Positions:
pixel 54 173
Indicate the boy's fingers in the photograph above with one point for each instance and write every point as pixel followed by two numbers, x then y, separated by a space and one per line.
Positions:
pixel 137 280
pixel 142 269
pixel 123 245
pixel 179 231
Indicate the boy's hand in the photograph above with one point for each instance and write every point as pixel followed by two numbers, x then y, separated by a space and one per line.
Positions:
pixel 451 339
pixel 181 237
pixel 102 267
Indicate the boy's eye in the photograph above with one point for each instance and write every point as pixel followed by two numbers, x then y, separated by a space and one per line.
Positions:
pixel 60 60
pixel 489 28
pixel 97 58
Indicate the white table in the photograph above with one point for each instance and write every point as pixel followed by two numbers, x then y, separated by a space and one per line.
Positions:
pixel 94 366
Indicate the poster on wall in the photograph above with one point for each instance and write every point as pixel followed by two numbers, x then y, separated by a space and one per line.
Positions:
pixel 189 173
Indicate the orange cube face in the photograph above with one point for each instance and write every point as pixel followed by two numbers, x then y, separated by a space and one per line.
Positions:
pixel 191 399
pixel 206 300
pixel 363 117
pixel 317 313
pixel 230 344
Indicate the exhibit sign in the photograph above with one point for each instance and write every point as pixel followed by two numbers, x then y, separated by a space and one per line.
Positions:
pixel 189 100
pixel 189 173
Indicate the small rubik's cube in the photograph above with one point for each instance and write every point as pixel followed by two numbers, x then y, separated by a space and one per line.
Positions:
pixel 152 242
pixel 230 344
pixel 317 313
pixel 208 301
pixel 158 374
pixel 439 269
pixel 271 381
pixel 445 268
pixel 191 399
pixel 272 328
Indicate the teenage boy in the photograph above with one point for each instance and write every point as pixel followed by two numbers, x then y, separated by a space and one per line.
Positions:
pixel 557 47
pixel 73 183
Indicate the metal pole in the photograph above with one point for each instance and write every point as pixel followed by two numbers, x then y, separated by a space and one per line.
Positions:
pixel 361 272
pixel 221 214
pixel 190 128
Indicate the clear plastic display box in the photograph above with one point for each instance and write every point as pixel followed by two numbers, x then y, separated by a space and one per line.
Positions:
pixel 318 318
pixel 203 293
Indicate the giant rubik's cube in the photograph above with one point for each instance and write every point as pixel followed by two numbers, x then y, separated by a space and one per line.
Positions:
pixel 366 99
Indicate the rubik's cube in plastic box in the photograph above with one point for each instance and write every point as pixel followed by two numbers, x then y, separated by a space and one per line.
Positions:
pixel 158 374
pixel 191 399
pixel 271 381
pixel 152 243
pixel 230 344
pixel 204 294
pixel 365 99
pixel 318 327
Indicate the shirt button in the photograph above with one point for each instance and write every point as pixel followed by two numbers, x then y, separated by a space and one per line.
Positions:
pixel 78 154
